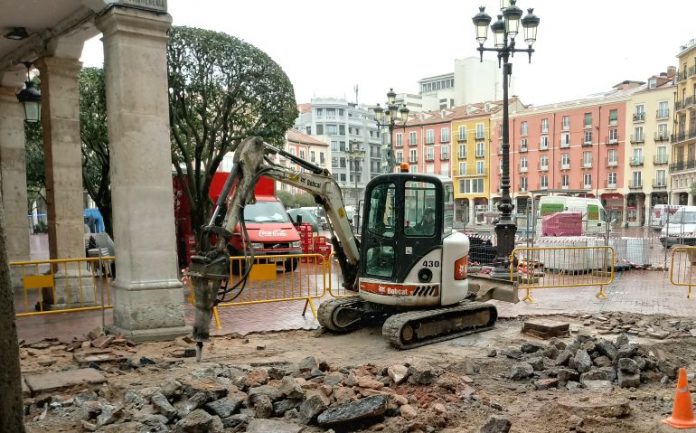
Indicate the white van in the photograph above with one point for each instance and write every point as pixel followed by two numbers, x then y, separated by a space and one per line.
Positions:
pixel 658 216
pixel 594 219
pixel 682 224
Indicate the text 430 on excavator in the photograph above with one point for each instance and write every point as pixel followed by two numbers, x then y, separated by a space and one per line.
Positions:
pixel 409 267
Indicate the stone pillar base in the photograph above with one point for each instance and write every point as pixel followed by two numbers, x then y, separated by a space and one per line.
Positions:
pixel 149 311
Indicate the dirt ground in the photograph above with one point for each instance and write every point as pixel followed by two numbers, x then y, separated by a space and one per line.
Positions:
pixel 484 387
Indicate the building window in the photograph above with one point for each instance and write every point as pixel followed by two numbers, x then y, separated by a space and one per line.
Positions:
pixel 523 183
pixel 312 156
pixel 334 146
pixel 479 131
pixel 523 129
pixel 444 135
pixel 320 112
pixel 588 137
pixel 330 113
pixel 613 117
pixel 399 156
pixel 321 158
pixel 444 169
pixel 587 179
pixel 523 164
pixel 479 167
pixel 543 181
pixel 479 150
pixel 544 142
pixel 462 133
pixel 565 181
pixel 412 138
pixel 334 162
pixel 462 151
pixel 663 110
pixel 430 168
pixel 343 163
pixel 414 156
pixel 429 136
pixel 471 186
pixel 661 155
pixel 566 123
pixel 308 129
pixel 523 145
pixel 544 162
pixel 320 129
pixel 462 168
pixel 612 161
pixel 638 134
pixel 661 178
pixel 340 112
pixel 588 120
pixel 587 159
pixel 341 129
pixel 430 153
pixel 611 179
pixel 544 126
pixel 565 160
pixel 399 139
pixel 342 146
pixel 565 139
pixel 613 135
pixel 331 129
pixel 343 177
pixel 302 154
pixel 444 152
pixel 637 180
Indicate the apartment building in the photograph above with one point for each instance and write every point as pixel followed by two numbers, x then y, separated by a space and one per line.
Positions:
pixel 567 147
pixel 351 131
pixel 683 163
pixel 425 143
pixel 648 123
pixel 312 149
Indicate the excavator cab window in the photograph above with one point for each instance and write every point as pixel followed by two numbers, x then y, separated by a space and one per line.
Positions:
pixel 381 225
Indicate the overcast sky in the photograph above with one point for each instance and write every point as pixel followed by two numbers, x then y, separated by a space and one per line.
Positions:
pixel 327 47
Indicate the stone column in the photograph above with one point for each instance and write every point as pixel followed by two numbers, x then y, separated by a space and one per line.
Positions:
pixel 60 117
pixel 13 175
pixel 148 298
pixel 648 208
pixel 690 199
pixel 624 217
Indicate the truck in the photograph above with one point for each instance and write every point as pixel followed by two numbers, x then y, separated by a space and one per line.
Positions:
pixel 593 215
pixel 270 230
pixel 412 279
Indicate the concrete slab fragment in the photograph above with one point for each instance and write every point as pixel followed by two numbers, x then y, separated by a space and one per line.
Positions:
pixel 545 329
pixel 56 380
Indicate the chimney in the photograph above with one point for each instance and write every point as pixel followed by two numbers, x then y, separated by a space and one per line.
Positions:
pixel 671 71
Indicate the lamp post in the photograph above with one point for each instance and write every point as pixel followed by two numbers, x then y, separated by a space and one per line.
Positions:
pixel 389 116
pixel 355 155
pixel 30 97
pixel 505 29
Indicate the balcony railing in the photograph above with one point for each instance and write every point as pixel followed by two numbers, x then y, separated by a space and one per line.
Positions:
pixel 587 164
pixel 444 139
pixel 661 136
pixel 681 75
pixel 662 114
pixel 660 160
pixel 612 141
pixel 637 139
pixel 564 144
pixel 679 136
pixel 612 162
pixel 635 185
pixel 659 184
pixel 461 138
pixel 543 167
pixel 523 169
pixel 639 116
pixel 683 165
pixel 462 155
pixel 636 161
pixel 523 149
pixel 611 185
pixel 413 160
pixel 430 157
pixel 444 156
pixel 565 166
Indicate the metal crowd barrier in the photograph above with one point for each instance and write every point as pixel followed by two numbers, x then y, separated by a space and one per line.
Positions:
pixel 562 267
pixel 62 285
pixel 681 268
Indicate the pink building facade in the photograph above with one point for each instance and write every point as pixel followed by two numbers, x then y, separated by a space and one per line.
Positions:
pixel 575 147
pixel 425 143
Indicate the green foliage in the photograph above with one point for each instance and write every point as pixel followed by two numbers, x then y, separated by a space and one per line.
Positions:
pixel 221 91
pixel 36 171
pixel 41 227
pixel 95 140
pixel 298 200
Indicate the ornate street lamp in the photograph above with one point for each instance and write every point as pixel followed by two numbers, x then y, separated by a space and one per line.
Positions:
pixel 390 116
pixel 30 97
pixel 505 29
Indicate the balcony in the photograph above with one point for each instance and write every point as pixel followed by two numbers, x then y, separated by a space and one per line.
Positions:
pixel 564 144
pixel 412 142
pixel 639 116
pixel 565 166
pixel 682 165
pixel 636 161
pixel 461 138
pixel 611 185
pixel 430 158
pixel 587 141
pixel 544 145
pixel 612 141
pixel 480 136
pixel 635 185
pixel 660 160
pixel 544 167
pixel 659 184
pixel 679 136
pixel 429 140
pixel 662 114
pixel 637 139
pixel 462 155
pixel 413 160
pixel 612 162
pixel 681 75
pixel 587 164
pixel 444 139
pixel 523 149
pixel 444 157
pixel 480 154
pixel 523 169
pixel 661 136
pixel 522 189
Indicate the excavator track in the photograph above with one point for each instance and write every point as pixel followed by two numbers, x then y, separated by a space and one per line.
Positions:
pixel 419 328
pixel 341 314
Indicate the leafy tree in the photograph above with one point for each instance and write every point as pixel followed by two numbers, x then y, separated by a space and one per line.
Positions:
pixel 221 91
pixel 11 404
pixel 95 141
pixel 36 171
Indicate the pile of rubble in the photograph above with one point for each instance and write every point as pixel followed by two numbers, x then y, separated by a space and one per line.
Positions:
pixel 590 362
pixel 658 327
pixel 284 398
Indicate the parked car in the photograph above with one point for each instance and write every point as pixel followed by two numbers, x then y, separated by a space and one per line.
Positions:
pixel 319 214
pixel 307 217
